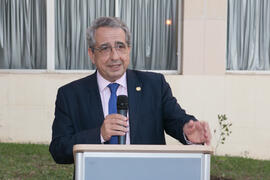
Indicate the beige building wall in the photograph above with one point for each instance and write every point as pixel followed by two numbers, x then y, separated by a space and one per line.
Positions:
pixel 205 89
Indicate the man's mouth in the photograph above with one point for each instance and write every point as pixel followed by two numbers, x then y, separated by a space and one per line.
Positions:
pixel 115 66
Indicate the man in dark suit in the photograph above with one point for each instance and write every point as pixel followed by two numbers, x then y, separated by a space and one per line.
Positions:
pixel 82 113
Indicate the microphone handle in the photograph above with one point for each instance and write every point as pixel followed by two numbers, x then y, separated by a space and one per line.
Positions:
pixel 122 139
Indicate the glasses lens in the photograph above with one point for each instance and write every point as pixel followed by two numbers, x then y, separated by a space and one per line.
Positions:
pixel 104 49
pixel 121 47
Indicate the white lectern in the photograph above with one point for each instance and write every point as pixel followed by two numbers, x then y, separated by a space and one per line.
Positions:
pixel 142 162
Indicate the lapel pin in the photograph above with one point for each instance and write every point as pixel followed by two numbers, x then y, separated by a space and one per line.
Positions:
pixel 138 88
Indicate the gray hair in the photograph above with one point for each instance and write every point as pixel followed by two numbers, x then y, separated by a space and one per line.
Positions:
pixel 112 22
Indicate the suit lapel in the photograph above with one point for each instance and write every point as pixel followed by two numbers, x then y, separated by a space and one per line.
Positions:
pixel 94 99
pixel 135 90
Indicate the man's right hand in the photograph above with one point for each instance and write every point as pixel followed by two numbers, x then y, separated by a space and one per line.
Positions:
pixel 114 125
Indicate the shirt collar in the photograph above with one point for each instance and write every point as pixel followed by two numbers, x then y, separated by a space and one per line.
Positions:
pixel 103 83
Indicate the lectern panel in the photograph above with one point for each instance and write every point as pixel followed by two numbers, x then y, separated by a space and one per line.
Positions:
pixel 143 166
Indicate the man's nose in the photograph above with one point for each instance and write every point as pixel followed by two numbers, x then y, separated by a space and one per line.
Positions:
pixel 114 53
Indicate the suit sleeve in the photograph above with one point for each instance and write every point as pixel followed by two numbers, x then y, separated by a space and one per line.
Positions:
pixel 66 132
pixel 174 116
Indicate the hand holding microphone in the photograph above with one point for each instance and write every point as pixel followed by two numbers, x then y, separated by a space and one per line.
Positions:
pixel 116 124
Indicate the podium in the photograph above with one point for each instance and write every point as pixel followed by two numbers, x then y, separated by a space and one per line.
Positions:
pixel 142 162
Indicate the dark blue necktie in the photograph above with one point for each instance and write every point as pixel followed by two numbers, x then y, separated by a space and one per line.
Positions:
pixel 113 107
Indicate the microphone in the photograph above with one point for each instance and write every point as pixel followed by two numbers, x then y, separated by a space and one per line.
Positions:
pixel 122 107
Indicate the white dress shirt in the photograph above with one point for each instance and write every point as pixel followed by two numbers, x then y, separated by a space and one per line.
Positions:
pixel 105 94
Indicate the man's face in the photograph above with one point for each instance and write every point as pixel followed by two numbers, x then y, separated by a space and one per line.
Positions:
pixel 111 53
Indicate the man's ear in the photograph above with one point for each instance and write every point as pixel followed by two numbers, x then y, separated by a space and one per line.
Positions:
pixel 91 55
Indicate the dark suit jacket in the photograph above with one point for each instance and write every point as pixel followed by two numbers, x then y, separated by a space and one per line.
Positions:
pixel 79 113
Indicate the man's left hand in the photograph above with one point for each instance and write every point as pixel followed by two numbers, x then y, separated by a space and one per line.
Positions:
pixel 197 132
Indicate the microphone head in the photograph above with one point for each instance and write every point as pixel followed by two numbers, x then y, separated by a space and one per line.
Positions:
pixel 122 102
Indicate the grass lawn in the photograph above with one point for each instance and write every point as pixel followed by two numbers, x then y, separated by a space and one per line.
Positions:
pixel 32 161
pixel 239 168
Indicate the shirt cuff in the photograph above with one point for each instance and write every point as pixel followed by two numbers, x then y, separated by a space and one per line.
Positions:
pixel 187 141
pixel 101 139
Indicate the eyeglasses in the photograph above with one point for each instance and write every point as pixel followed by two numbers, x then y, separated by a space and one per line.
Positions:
pixel 106 49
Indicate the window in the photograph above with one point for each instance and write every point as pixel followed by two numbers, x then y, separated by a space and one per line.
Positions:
pixel 154 25
pixel 72 20
pixel 23 34
pixel 248 46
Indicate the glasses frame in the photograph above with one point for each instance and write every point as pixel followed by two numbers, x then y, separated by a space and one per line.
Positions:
pixel 107 49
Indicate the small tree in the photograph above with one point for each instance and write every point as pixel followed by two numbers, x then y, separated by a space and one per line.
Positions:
pixel 223 131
